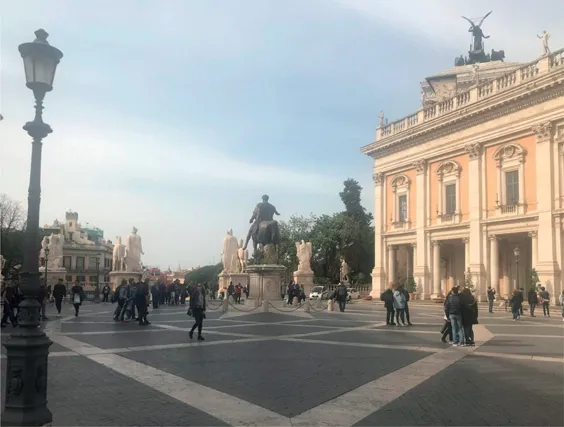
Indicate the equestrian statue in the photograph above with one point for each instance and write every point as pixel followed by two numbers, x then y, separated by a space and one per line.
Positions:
pixel 264 229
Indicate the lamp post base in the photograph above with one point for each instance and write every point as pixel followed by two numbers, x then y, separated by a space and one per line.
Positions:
pixel 26 372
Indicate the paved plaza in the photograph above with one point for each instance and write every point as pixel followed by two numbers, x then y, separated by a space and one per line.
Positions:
pixel 295 368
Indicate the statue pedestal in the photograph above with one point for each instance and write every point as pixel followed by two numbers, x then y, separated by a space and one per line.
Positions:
pixel 117 276
pixel 53 275
pixel 266 280
pixel 304 278
pixel 223 280
pixel 239 279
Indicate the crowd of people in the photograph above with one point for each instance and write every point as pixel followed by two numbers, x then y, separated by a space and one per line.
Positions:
pixel 233 292
pixel 396 301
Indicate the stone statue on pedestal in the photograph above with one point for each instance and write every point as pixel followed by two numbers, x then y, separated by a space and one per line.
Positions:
pixel 243 256
pixel 229 256
pixel 544 39
pixel 55 259
pixel 42 254
pixel 304 252
pixel 264 229
pixel 344 276
pixel 118 257
pixel 133 252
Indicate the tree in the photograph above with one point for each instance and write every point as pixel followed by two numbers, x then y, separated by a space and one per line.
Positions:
pixel 206 275
pixel 12 225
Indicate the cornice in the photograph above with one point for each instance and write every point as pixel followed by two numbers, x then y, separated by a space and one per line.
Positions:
pixel 544 89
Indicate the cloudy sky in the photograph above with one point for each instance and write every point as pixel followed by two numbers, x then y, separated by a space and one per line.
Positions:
pixel 175 116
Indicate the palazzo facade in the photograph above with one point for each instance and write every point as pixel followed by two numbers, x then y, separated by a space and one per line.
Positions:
pixel 472 184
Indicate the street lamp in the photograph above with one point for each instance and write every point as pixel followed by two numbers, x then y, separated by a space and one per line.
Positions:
pixel 517 252
pixel 97 292
pixel 28 346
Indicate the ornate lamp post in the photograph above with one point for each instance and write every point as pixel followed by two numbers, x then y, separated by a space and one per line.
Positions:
pixel 97 291
pixel 516 253
pixel 28 346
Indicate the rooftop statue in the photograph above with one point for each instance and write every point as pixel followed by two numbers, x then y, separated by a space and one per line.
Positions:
pixel 477 33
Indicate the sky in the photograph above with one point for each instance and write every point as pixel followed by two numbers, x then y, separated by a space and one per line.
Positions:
pixel 176 116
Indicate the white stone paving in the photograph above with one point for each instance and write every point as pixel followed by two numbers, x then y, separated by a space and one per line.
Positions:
pixel 344 410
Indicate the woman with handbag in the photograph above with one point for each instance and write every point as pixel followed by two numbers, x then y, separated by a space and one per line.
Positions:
pixel 197 310
pixel 77 295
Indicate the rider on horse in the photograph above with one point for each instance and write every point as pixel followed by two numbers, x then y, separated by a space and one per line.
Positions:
pixel 264 211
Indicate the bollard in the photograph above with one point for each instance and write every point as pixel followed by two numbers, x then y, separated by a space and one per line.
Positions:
pixel 225 305
pixel 265 306
pixel 330 305
pixel 307 306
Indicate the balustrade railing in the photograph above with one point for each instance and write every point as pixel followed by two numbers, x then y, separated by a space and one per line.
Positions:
pixel 541 66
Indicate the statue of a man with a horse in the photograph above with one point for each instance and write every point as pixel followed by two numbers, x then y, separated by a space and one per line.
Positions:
pixel 264 229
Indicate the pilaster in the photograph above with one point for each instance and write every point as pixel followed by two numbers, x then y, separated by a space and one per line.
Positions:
pixel 547 266
pixel 475 261
pixel 378 273
pixel 420 267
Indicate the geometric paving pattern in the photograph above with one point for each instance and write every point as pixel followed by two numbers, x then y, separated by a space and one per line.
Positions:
pixel 295 368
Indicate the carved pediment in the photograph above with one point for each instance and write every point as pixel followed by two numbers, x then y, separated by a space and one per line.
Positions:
pixel 509 152
pixel 448 167
pixel 400 181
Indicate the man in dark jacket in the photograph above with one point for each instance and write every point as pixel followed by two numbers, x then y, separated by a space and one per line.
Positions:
pixel 141 296
pixel 491 298
pixel 388 297
pixel 453 307
pixel 198 310
pixel 41 297
pixel 340 295
pixel 9 298
pixel 533 301
pixel 106 293
pixel 59 292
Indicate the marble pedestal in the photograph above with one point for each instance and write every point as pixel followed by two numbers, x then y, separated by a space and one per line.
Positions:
pixel 117 276
pixel 53 275
pixel 266 280
pixel 239 279
pixel 304 278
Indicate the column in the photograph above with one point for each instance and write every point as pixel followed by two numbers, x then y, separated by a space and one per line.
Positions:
pixel 546 266
pixel 378 273
pixel 420 251
pixel 494 263
pixel 476 255
pixel 534 247
pixel 466 241
pixel 391 264
pixel 436 270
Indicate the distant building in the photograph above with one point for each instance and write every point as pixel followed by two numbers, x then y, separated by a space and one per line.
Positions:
pixel 87 257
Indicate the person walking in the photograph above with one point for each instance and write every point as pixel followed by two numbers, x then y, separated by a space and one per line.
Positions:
pixel 155 295
pixel 197 310
pixel 388 297
pixel 9 299
pixel 545 301
pixel 561 300
pixel 59 292
pixel 121 295
pixel 340 295
pixel 469 310
pixel 42 298
pixel 454 310
pixel 141 302
pixel 533 301
pixel 515 304
pixel 106 293
pixel 399 307
pixel 77 294
pixel 491 298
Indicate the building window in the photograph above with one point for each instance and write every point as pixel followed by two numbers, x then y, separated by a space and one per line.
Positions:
pixel 80 262
pixel 511 188
pixel 106 279
pixel 400 209
pixel 92 262
pixel 68 278
pixel 92 279
pixel 107 262
pixel 510 162
pixel 81 279
pixel 402 204
pixel 448 178
pixel 450 199
pixel 67 262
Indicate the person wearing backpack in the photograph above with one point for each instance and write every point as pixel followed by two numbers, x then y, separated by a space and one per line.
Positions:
pixel 388 298
pixel 399 306
pixel 341 296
